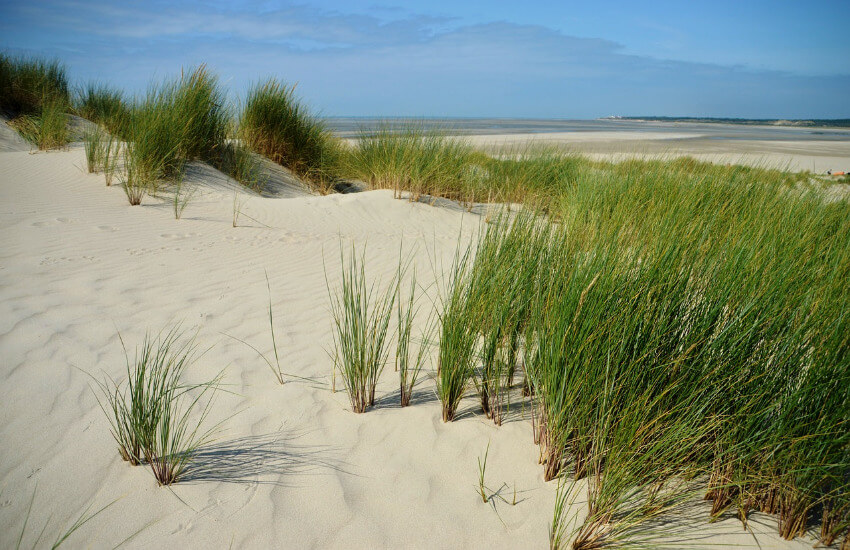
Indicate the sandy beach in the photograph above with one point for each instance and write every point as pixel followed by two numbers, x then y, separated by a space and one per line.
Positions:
pixel 292 466
pixel 787 154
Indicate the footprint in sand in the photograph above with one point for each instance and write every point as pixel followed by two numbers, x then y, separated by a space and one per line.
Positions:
pixel 107 228
pixel 178 235
pixel 54 221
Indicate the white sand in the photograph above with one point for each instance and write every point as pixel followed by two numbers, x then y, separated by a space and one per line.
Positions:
pixel 816 156
pixel 294 468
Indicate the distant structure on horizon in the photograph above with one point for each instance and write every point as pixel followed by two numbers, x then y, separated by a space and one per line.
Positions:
pixel 808 123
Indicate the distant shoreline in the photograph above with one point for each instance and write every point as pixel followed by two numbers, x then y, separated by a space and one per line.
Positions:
pixel 804 123
pixel 717 128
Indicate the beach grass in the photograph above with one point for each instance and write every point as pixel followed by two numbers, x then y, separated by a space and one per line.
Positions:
pixel 112 151
pixel 409 361
pixel 48 129
pixel 95 148
pixel 180 120
pixel 238 161
pixel 689 322
pixel 458 337
pixel 34 92
pixel 29 84
pixel 482 472
pixel 410 159
pixel 413 160
pixel 86 516
pixel 156 417
pixel 361 318
pixel 105 106
pixel 277 125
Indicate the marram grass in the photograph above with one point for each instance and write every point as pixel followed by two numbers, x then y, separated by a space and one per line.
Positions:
pixel 361 317
pixel 28 84
pixel 409 361
pixel 48 129
pixel 684 330
pixel 105 106
pixel 156 418
pixel 276 124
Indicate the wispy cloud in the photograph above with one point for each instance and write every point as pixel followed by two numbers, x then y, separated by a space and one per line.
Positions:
pixel 396 63
pixel 164 21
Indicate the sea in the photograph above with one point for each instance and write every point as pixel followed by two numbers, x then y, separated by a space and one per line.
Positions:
pixel 350 127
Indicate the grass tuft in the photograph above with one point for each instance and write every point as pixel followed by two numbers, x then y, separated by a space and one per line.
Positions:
pixel 48 129
pixel 457 346
pixel 411 159
pixel 28 85
pixel 95 147
pixel 181 120
pixel 684 333
pixel 361 316
pixel 277 125
pixel 409 365
pixel 155 417
pixel 105 106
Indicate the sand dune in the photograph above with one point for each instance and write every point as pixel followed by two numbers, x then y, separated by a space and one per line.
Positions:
pixel 293 467
pixel 9 138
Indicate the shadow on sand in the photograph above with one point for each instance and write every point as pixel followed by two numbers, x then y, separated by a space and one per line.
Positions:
pixel 264 459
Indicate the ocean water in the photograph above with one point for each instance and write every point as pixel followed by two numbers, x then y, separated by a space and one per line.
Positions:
pixel 348 127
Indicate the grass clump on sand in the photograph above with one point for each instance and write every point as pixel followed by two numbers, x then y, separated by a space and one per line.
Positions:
pixel 27 85
pixel 94 144
pixel 240 163
pixel 684 331
pixel 409 364
pixel 410 159
pixel 361 315
pixel 35 93
pixel 457 346
pixel 530 174
pixel 499 307
pixel 274 123
pixel 105 106
pixel 156 418
pixel 182 120
pixel 46 130
pixel 112 149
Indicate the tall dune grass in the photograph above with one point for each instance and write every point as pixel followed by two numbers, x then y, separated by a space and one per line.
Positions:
pixel 34 92
pixel 104 105
pixel 180 120
pixel 239 162
pixel 95 148
pixel 361 314
pixel 276 124
pixel 684 328
pixel 458 338
pixel 112 151
pixel 413 160
pixel 156 417
pixel 421 162
pixel 48 129
pixel 27 85
pixel 409 361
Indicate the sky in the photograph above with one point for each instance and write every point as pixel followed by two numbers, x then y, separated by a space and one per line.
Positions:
pixel 476 58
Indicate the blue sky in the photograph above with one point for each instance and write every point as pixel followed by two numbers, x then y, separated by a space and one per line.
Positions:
pixel 755 59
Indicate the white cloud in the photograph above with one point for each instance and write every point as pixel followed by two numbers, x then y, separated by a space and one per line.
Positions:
pixel 401 64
